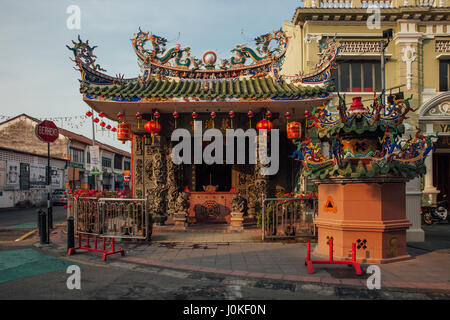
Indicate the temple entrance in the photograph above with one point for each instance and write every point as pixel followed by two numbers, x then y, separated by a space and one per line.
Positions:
pixel 210 202
pixel 213 177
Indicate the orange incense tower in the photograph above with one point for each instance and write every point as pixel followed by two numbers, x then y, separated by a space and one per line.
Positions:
pixel 362 181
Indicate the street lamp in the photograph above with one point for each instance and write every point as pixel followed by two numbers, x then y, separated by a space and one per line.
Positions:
pixel 387 34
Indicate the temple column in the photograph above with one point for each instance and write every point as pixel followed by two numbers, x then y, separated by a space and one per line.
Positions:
pixel 261 185
pixel 172 181
pixel 430 191
pixel 138 167
pixel 155 169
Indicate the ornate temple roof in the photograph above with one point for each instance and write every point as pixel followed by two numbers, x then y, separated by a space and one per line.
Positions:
pixel 250 75
pixel 257 88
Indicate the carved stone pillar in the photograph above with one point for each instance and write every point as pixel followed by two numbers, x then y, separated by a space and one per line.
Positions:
pixel 261 184
pixel 172 182
pixel 138 167
pixel 156 172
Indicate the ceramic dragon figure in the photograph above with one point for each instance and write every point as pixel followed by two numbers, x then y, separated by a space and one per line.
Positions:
pixel 263 50
pixel 84 54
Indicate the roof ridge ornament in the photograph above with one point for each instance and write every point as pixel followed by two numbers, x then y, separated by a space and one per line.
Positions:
pixel 178 60
pixel 84 55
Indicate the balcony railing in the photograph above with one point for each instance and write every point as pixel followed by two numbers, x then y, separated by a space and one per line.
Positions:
pixel 383 4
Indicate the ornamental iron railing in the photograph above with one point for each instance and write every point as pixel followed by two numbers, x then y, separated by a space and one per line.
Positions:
pixel 288 218
pixel 110 217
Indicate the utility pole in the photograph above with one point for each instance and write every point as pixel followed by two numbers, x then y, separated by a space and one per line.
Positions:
pixel 387 34
pixel 93 144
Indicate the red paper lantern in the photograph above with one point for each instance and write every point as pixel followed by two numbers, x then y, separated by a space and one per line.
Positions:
pixel 294 130
pixel 175 116
pixel 108 127
pixel 157 115
pixel 268 114
pixel 264 125
pixel 250 116
pixel 101 114
pixel 194 115
pixel 102 124
pixel 123 132
pixel 139 117
pixel 213 115
pixel 231 114
pixel 113 129
pixel 152 127
pixel 96 120
pixel 287 115
pixel 89 114
pixel 120 115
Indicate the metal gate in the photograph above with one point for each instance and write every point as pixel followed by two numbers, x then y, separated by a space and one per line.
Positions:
pixel 111 217
pixel 284 218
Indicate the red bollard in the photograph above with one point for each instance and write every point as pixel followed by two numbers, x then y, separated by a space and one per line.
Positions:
pixel 353 252
pixel 308 251
pixel 331 248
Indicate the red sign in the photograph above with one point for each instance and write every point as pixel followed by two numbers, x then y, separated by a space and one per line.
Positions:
pixel 47 131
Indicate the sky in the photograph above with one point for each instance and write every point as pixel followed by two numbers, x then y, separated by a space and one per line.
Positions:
pixel 37 77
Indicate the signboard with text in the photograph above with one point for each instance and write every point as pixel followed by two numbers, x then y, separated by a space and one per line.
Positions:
pixel 47 131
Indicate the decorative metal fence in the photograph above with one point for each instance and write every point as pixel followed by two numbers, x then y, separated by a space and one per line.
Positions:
pixel 111 217
pixel 288 218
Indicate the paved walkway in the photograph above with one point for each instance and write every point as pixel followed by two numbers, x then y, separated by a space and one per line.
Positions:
pixel 428 270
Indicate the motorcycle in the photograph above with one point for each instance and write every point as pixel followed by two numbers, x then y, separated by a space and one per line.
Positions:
pixel 436 212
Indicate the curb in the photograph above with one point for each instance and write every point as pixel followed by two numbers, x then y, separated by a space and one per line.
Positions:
pixel 305 279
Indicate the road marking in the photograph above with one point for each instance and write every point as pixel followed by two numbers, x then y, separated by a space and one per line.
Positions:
pixel 26 235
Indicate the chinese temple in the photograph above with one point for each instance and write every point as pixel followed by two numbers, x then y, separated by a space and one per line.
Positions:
pixel 174 89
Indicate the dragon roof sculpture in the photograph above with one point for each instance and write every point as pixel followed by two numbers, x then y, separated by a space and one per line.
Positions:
pixel 178 62
pixel 365 142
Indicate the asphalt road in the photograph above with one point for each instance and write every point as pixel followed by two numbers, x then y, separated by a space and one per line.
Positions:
pixel 26 217
pixel 120 280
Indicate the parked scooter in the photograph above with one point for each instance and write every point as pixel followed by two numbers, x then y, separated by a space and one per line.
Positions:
pixel 437 212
